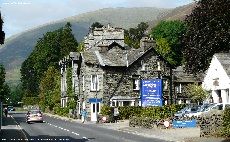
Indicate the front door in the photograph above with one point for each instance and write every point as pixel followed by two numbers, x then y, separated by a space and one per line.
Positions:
pixel 95 108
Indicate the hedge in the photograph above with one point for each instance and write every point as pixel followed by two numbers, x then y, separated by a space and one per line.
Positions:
pixel 128 112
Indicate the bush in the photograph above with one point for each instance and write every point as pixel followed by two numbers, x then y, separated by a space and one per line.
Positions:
pixel 226 123
pixel 128 112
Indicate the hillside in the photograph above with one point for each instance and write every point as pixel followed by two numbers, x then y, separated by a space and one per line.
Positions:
pixel 17 48
pixel 178 13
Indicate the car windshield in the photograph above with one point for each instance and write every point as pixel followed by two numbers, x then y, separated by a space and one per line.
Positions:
pixel 182 110
pixel 205 107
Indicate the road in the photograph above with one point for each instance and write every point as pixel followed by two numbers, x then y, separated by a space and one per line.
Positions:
pixel 54 129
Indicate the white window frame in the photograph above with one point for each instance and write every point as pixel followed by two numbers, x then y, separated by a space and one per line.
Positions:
pixel 94 83
pixel 165 84
pixel 143 66
pixel 178 88
pixel 64 102
pixel 136 82
pixel 158 65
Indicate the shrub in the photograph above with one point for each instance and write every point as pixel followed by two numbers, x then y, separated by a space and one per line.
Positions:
pixel 226 123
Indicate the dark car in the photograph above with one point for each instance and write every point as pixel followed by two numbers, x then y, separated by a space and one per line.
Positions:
pixel 34 116
pixel 10 108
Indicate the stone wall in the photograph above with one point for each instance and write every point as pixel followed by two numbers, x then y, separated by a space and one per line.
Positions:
pixel 210 124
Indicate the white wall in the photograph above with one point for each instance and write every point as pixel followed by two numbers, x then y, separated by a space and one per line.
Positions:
pixel 215 71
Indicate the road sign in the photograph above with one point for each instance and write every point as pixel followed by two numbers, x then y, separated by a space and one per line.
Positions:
pixel 151 92
pixel 184 123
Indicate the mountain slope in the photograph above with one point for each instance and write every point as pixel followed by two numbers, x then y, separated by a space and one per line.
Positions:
pixel 17 48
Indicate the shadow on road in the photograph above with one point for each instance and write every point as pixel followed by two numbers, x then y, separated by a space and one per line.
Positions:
pixel 8 121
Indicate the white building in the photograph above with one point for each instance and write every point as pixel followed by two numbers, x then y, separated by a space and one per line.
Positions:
pixel 217 78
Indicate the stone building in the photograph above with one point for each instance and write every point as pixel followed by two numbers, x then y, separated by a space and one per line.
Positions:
pixel 109 72
pixel 2 34
pixel 180 80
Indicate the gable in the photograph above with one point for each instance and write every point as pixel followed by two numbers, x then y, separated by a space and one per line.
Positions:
pixel 216 76
pixel 115 45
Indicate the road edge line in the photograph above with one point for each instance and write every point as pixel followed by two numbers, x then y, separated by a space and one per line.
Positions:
pixel 26 139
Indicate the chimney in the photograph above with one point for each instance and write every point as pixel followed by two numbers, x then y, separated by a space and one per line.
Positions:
pixel 146 43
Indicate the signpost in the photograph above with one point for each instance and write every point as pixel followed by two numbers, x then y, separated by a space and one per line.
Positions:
pixel 151 92
pixel 184 123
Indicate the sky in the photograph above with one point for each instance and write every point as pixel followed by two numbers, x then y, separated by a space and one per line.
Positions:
pixel 20 15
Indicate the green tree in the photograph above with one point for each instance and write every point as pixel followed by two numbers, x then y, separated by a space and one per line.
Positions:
pixel 48 51
pixel 96 25
pixel 168 36
pixel 49 89
pixel 134 35
pixel 196 93
pixel 208 33
pixel 16 94
pixel 4 88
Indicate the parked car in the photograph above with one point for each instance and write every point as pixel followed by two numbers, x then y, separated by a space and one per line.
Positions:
pixel 208 107
pixel 34 116
pixel 10 108
pixel 186 110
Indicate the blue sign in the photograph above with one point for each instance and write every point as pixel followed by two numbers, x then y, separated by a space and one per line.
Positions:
pixel 151 92
pixel 184 123
pixel 94 100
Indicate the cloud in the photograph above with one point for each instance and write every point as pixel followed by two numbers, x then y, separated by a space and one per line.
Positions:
pixel 19 15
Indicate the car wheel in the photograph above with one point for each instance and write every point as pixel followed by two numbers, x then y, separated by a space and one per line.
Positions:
pixel 28 122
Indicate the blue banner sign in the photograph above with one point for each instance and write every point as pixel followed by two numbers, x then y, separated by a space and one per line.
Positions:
pixel 95 100
pixel 151 92
pixel 184 123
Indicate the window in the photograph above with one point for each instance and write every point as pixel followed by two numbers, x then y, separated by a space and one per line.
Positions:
pixel 136 84
pixel 63 102
pixel 165 84
pixel 83 83
pixel 96 107
pixel 143 66
pixel 94 83
pixel 126 103
pixel 178 89
pixel 158 65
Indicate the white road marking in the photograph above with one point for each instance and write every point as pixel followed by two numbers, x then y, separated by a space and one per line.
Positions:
pixel 19 127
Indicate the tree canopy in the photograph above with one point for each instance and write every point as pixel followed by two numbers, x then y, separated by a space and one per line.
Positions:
pixel 48 51
pixel 4 88
pixel 134 35
pixel 168 36
pixel 196 93
pixel 208 33
pixel 96 25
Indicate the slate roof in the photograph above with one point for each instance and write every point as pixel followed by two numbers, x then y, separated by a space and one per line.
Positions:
pixel 224 59
pixel 181 76
pixel 117 56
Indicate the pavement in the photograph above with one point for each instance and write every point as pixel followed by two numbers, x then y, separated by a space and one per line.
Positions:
pixel 11 131
pixel 172 134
